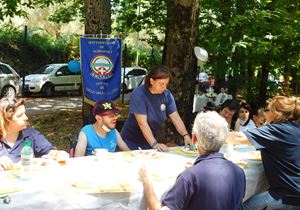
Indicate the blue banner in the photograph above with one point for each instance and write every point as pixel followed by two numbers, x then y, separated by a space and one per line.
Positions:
pixel 101 68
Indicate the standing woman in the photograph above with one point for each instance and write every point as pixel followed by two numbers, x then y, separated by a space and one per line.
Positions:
pixel 279 142
pixel 14 131
pixel 150 105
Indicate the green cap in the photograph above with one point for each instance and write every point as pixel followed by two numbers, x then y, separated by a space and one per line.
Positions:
pixel 27 143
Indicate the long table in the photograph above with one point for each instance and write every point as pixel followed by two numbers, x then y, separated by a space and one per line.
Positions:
pixel 110 182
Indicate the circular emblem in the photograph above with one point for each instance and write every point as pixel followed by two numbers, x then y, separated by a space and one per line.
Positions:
pixel 101 65
pixel 163 107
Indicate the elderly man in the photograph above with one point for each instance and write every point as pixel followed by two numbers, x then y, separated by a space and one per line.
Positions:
pixel 212 182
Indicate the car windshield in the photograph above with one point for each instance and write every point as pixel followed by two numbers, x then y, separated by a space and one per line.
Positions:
pixel 44 70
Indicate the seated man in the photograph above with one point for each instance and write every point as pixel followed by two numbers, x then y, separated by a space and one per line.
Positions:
pixel 212 183
pixel 102 134
pixel 222 96
pixel 14 131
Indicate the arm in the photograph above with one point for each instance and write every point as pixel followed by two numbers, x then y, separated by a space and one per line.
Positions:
pixel 81 145
pixel 121 144
pixel 237 138
pixel 152 201
pixel 147 132
pixel 180 127
pixel 59 155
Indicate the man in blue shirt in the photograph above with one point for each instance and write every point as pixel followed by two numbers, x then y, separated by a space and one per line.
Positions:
pixel 212 183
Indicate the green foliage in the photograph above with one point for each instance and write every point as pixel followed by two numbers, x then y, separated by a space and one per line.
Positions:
pixel 147 57
pixel 134 16
pixel 242 36
pixel 68 11
pixel 37 50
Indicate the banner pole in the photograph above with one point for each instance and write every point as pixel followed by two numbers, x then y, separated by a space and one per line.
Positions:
pixel 123 79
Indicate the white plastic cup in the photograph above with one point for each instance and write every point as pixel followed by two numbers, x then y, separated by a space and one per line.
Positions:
pixel 101 153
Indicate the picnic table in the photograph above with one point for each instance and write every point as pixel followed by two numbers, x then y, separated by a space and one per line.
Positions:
pixel 111 182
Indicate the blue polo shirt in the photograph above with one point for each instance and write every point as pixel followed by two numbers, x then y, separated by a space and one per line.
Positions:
pixel 157 107
pixel 39 144
pixel 280 152
pixel 213 183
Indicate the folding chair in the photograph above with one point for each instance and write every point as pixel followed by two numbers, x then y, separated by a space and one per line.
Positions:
pixel 72 144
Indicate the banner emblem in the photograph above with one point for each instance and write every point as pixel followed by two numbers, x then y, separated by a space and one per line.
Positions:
pixel 101 65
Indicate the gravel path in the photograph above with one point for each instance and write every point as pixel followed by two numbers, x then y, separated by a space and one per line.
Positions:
pixel 40 105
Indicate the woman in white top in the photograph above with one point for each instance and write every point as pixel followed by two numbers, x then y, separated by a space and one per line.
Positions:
pixel 244 118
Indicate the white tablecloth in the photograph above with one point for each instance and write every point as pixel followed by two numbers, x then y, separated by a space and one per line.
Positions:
pixel 50 188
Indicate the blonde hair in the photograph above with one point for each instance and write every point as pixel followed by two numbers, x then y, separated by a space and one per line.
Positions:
pixel 285 108
pixel 8 106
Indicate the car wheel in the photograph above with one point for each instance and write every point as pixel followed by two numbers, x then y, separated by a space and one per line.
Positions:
pixel 8 91
pixel 47 90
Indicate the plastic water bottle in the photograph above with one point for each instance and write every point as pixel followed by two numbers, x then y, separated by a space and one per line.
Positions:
pixel 26 161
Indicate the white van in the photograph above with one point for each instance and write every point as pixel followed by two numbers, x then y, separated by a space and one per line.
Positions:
pixel 52 78
pixel 134 77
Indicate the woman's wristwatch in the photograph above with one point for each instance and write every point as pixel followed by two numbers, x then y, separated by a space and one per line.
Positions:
pixel 186 134
pixel 154 144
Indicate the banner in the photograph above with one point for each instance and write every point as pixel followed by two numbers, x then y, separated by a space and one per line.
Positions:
pixel 101 68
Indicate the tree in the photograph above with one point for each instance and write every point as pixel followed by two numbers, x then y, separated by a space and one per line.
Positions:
pixel 181 34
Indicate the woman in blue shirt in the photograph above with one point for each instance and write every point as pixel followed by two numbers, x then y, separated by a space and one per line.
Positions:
pixel 150 105
pixel 14 131
pixel 279 143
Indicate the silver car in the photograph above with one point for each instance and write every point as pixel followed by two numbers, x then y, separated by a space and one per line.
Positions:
pixel 9 81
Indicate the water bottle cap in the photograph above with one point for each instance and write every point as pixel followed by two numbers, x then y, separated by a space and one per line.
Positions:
pixel 27 143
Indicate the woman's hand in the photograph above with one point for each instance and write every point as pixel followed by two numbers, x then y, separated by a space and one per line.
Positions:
pixel 161 147
pixel 59 155
pixel 187 140
pixel 5 163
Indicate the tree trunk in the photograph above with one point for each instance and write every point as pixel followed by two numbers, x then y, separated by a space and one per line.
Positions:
pixel 179 57
pixel 263 86
pixel 97 21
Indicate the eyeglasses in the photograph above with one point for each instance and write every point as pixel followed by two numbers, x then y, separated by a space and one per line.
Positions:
pixel 113 115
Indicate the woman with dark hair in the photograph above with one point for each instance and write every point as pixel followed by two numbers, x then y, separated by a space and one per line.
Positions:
pixel 14 131
pixel 229 110
pixel 279 143
pixel 244 117
pixel 150 105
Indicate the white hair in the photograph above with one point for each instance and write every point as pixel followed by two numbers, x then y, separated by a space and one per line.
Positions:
pixel 211 131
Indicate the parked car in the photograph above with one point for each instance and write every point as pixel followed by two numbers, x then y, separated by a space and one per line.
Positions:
pixel 134 77
pixel 9 81
pixel 52 78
